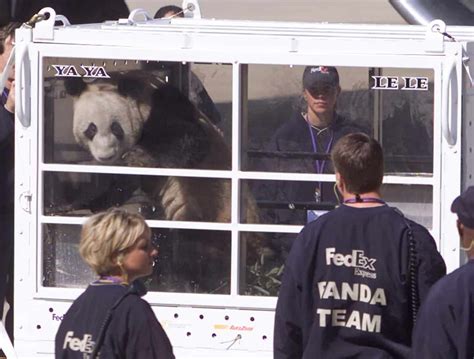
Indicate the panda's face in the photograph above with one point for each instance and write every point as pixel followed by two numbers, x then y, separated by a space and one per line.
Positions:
pixel 106 123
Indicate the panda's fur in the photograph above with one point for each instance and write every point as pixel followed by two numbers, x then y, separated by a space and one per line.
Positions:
pixel 143 124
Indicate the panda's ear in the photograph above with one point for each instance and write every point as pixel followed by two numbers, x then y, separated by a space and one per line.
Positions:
pixel 74 86
pixel 130 87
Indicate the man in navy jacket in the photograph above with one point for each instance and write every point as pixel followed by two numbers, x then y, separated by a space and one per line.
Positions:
pixel 345 291
pixel 445 326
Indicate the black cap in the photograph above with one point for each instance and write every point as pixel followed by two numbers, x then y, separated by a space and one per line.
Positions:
pixel 463 206
pixel 316 76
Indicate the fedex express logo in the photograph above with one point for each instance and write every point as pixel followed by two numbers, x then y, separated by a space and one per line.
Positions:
pixel 322 69
pixel 356 259
pixel 78 344
pixel 85 71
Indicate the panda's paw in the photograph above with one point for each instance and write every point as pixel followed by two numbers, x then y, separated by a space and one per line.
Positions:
pixel 175 204
pixel 138 157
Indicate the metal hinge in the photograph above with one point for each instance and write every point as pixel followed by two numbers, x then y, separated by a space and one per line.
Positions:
pixel 25 201
pixel 435 36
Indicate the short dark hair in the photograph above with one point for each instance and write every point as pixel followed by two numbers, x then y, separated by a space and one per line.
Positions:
pixel 359 160
pixel 5 31
pixel 162 11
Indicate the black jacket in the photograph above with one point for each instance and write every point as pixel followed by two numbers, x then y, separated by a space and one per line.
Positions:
pixel 134 332
pixel 445 325
pixel 345 293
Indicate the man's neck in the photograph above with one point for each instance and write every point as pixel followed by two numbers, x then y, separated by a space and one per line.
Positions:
pixel 369 199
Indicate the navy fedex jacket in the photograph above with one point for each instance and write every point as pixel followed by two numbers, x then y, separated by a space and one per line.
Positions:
pixel 134 332
pixel 445 325
pixel 345 293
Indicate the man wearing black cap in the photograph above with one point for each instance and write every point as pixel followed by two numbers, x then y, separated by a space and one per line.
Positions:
pixel 303 144
pixel 445 325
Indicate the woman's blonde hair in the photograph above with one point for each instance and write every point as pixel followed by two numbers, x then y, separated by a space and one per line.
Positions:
pixel 106 236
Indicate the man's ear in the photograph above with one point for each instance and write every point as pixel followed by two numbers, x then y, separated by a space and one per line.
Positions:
pixel 338 90
pixel 460 227
pixel 340 182
pixel 305 95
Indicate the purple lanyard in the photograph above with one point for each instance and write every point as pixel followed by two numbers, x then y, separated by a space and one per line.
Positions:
pixel 109 280
pixel 318 166
pixel 359 199
pixel 4 96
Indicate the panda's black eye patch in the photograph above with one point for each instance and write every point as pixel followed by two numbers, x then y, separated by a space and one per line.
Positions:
pixel 91 131
pixel 117 130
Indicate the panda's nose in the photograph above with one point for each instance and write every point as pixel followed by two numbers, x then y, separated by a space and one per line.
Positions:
pixel 104 148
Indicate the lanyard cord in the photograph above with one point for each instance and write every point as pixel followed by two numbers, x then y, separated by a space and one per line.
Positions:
pixel 4 96
pixel 109 280
pixel 318 166
pixel 359 199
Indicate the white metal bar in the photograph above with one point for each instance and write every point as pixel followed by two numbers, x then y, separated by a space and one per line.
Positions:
pixel 135 170
pixel 324 30
pixel 437 154
pixel 409 180
pixel 188 225
pixel 235 196
pixel 450 172
pixel 174 299
pixel 151 223
pixel 258 55
pixel 420 179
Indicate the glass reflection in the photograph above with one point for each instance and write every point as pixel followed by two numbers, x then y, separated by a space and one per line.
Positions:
pixel 62 264
pixel 155 197
pixel 291 202
pixel 189 261
pixel 291 125
pixel 263 257
pixel 132 113
pixel 192 261
pixel 416 202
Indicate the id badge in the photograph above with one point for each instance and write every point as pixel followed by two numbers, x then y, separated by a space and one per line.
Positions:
pixel 312 215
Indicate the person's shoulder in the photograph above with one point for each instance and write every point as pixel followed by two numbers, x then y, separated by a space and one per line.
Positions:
pixel 102 293
pixel 461 278
pixel 293 126
pixel 457 284
pixel 137 305
pixel 4 110
pixel 420 229
pixel 313 227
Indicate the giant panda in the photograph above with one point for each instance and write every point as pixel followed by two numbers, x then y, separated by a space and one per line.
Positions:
pixel 109 114
pixel 130 121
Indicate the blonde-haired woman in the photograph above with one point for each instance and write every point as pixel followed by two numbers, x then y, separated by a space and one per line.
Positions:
pixel 110 318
